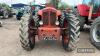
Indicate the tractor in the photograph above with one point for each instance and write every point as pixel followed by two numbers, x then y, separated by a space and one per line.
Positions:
pixel 19 14
pixel 95 28
pixel 35 8
pixel 88 13
pixel 50 24
pixel 5 11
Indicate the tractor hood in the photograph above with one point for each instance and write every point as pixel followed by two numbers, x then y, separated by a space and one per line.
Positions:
pixel 49 9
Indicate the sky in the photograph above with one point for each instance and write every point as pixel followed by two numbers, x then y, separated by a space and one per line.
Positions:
pixel 70 2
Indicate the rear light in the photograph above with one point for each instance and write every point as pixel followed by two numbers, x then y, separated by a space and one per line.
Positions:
pixel 57 22
pixel 41 22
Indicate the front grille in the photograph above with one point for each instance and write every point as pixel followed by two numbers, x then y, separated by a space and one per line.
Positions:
pixel 45 18
pixel 52 18
pixel 49 15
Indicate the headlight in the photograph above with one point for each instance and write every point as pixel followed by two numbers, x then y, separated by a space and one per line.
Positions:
pixel 41 22
pixel 57 22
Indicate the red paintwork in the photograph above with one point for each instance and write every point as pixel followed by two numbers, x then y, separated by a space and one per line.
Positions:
pixel 49 8
pixel 49 30
pixel 40 12
pixel 84 10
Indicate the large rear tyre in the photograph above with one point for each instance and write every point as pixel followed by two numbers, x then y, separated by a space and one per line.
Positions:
pixel 70 36
pixel 27 38
pixel 95 33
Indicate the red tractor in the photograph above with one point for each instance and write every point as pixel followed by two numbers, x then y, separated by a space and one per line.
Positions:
pixel 85 13
pixel 50 24
pixel 89 12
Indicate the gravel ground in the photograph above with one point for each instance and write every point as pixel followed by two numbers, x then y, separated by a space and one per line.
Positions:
pixel 10 44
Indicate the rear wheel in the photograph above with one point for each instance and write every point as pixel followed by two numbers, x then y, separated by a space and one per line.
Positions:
pixel 70 36
pixel 95 33
pixel 27 37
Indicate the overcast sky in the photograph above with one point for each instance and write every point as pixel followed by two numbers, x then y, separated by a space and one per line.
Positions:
pixel 70 2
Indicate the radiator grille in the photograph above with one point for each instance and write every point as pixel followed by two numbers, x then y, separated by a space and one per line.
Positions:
pixel 45 18
pixel 49 15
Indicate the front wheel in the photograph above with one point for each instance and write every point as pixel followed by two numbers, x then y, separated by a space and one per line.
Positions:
pixel 95 33
pixel 70 36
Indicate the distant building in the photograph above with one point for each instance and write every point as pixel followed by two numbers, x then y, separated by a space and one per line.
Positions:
pixel 19 5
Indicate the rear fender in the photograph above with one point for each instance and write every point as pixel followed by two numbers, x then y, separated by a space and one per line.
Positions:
pixel 83 10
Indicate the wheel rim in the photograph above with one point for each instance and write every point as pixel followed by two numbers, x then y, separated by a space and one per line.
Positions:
pixel 96 32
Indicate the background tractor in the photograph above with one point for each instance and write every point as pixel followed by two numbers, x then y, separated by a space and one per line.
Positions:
pixel 95 28
pixel 50 24
pixel 35 8
pixel 5 11
pixel 20 14
pixel 89 13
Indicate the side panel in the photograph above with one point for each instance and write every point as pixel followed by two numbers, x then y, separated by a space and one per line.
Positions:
pixel 84 11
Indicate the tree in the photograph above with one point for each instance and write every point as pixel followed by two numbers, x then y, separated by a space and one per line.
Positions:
pixel 63 6
pixel 5 6
pixel 59 5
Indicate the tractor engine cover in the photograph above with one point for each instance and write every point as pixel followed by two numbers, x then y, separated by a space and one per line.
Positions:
pixel 49 30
